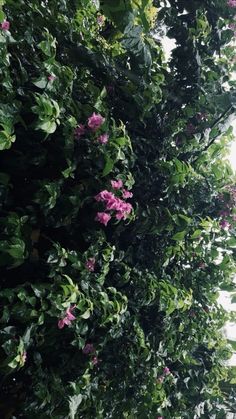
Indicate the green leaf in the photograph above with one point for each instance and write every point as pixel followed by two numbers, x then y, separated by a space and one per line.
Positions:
pixel 74 402
pixel 179 236
pixel 109 164
pixel 196 234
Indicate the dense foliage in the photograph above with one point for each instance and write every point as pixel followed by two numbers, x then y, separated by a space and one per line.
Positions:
pixel 117 208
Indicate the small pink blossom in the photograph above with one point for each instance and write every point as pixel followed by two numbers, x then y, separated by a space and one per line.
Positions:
pixel 126 207
pixel 225 224
pixel 103 218
pixel 232 26
pixel 95 360
pixel 159 417
pixel 69 317
pixel 51 77
pixel 126 194
pixel 90 264
pixel 5 25
pixel 100 19
pixel 160 379
pixel 88 349
pixel 117 184
pixel 80 130
pixel 103 139
pixel 104 196
pixel 95 121
pixel 231 3
pixel 166 371
pixel 120 215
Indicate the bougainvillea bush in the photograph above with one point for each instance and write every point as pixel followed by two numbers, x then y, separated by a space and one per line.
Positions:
pixel 118 208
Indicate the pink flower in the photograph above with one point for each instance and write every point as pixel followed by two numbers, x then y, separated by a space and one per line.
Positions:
pixel 117 184
pixel 126 207
pixel 103 218
pixel 120 216
pixel 51 77
pixel 159 417
pixel 126 194
pixel 69 317
pixel 100 20
pixel 90 264
pixel 80 130
pixel 114 204
pixel 231 3
pixel 61 324
pixel 88 349
pixel 166 371
pixel 95 121
pixel 225 224
pixel 104 196
pixel 5 25
pixel 103 139
pixel 232 26
pixel 160 379
pixel 95 360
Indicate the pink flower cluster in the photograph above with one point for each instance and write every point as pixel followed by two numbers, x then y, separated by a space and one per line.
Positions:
pixel 90 264
pixel 5 25
pixel 95 121
pixel 113 203
pixel 231 3
pixel 68 318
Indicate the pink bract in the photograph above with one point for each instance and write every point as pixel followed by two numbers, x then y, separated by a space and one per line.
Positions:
pixel 90 264
pixel 103 139
pixel 5 25
pixel 225 224
pixel 68 318
pixel 166 370
pixel 51 77
pixel 95 121
pixel 104 196
pixel 231 3
pixel 126 194
pixel 103 218
pixel 117 184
